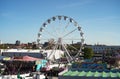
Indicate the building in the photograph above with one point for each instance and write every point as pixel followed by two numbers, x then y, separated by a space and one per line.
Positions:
pixel 49 54
pixel 104 48
pixel 100 51
pixel 17 43
pixel 21 52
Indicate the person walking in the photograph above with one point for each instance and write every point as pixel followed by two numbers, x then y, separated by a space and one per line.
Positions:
pixel 46 77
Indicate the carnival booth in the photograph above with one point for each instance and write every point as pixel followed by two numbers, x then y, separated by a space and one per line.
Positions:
pixel 22 65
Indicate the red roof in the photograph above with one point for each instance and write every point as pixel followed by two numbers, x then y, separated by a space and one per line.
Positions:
pixel 26 58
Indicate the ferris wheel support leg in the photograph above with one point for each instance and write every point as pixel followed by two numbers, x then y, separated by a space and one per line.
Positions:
pixel 67 58
pixel 67 53
pixel 52 52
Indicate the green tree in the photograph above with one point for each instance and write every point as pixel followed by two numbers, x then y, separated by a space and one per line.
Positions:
pixel 88 53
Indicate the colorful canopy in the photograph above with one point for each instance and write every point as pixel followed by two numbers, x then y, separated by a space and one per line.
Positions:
pixel 75 73
pixel 104 74
pixel 93 74
pixel 89 74
pixel 67 73
pixel 83 73
pixel 113 74
pixel 97 74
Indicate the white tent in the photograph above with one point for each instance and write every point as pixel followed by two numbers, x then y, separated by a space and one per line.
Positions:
pixel 53 54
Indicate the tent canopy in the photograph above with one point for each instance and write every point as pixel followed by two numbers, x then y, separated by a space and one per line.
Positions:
pixel 26 58
pixel 4 58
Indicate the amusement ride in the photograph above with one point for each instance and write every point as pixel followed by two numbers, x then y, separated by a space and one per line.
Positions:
pixel 60 33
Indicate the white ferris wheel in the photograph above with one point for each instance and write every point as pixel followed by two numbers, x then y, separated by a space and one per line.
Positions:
pixel 61 33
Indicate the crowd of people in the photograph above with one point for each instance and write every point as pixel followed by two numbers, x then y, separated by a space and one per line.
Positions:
pixel 15 67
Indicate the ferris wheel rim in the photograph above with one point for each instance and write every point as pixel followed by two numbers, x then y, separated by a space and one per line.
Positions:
pixel 59 17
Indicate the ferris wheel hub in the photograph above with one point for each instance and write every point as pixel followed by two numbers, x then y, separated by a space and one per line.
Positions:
pixel 60 40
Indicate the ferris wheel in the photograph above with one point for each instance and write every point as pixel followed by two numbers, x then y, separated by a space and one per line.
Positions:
pixel 61 33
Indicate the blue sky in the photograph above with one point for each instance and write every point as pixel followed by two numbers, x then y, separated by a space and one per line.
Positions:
pixel 99 19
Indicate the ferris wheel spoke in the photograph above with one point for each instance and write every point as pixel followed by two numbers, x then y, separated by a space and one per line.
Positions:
pixel 48 36
pixel 69 33
pixel 48 46
pixel 45 38
pixel 71 40
pixel 78 53
pixel 76 50
pixel 60 28
pixel 67 52
pixel 52 52
pixel 65 27
pixel 56 32
pixel 71 46
pixel 55 29
pixel 53 35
